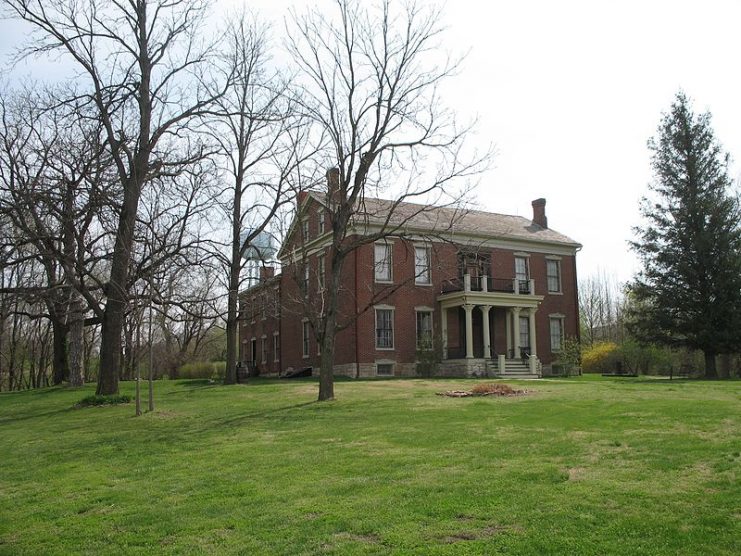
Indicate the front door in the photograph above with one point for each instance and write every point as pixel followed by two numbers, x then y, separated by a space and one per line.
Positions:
pixel 524 337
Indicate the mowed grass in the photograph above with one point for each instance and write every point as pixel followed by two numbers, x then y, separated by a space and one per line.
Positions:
pixel 579 466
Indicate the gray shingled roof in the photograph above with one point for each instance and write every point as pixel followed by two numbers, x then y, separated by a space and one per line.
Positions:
pixel 479 223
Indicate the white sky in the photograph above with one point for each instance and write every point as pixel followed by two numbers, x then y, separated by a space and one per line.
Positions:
pixel 569 92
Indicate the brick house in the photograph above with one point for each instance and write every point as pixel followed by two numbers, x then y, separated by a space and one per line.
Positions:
pixel 487 294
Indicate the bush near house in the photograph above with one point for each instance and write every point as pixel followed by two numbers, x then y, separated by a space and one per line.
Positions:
pixel 203 369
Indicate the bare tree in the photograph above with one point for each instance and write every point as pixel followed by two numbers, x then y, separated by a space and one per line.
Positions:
pixel 259 138
pixel 142 63
pixel 601 306
pixel 369 78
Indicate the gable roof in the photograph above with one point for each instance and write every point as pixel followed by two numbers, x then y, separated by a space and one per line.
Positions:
pixel 460 221
pixel 416 217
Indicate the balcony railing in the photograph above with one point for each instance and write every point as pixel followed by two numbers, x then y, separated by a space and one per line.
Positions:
pixel 470 283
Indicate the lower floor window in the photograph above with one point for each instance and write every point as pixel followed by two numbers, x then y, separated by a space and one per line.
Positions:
pixel 524 332
pixel 276 347
pixel 264 350
pixel 385 328
pixel 424 329
pixel 556 333
pixel 306 339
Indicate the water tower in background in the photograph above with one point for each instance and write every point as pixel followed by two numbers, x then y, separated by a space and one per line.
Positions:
pixel 261 251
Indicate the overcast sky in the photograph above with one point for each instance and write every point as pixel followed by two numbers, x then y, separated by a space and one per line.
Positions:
pixel 569 92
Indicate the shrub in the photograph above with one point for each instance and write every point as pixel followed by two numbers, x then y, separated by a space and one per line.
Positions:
pixel 203 369
pixel 602 357
pixel 95 400
pixel 569 359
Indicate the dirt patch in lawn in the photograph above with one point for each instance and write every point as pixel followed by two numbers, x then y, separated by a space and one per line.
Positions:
pixel 489 389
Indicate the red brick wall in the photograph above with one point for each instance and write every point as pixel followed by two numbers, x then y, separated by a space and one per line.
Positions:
pixel 253 325
pixel 359 293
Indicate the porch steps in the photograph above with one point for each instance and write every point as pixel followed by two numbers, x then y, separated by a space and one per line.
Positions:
pixel 513 368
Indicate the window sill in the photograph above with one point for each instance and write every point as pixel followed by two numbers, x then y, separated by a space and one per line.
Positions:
pixel 384 349
pixel 383 281
pixel 555 293
pixel 424 285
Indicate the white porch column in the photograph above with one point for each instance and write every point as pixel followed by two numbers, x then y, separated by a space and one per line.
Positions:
pixel 469 330
pixel 533 342
pixel 516 331
pixel 508 329
pixel 487 337
pixel 444 331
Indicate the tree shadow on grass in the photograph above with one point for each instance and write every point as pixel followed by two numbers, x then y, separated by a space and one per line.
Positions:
pixel 264 413
pixel 27 416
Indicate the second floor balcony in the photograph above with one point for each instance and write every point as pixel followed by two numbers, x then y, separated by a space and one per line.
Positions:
pixel 488 284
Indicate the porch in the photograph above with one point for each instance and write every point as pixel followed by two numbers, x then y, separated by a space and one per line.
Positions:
pixel 488 326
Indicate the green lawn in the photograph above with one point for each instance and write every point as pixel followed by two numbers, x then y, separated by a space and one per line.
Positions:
pixel 580 466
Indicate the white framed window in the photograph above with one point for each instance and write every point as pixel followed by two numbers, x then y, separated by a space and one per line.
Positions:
pixel 276 346
pixel 253 350
pixel 557 332
pixel 385 328
pixel 422 265
pixel 522 268
pixel 320 273
pixel 305 343
pixel 264 346
pixel 384 369
pixel 524 333
pixel 553 275
pixel 305 278
pixel 305 229
pixel 424 329
pixel 320 220
pixel 382 262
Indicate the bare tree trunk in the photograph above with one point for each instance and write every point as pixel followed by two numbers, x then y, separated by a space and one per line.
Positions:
pixel 230 375
pixel 113 316
pixel 60 368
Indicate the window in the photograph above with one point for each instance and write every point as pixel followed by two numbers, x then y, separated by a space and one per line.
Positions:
pixel 276 347
pixel 307 330
pixel 524 333
pixel 556 333
pixel 321 222
pixel 424 330
pixel 553 275
pixel 421 265
pixel 385 328
pixel 383 262
pixel 264 347
pixel 305 229
pixel 305 279
pixel 253 350
pixel 521 268
pixel 385 369
pixel 320 272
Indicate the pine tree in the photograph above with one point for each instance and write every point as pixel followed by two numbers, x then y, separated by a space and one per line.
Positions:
pixel 689 290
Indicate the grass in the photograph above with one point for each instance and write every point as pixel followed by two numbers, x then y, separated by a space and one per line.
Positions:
pixel 580 466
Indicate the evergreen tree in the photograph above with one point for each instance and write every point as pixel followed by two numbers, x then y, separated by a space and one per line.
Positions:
pixel 689 290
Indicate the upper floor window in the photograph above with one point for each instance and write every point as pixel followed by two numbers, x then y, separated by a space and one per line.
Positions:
pixel 522 270
pixel 320 272
pixel 382 262
pixel 385 328
pixel 421 265
pixel 276 346
pixel 305 278
pixel 264 346
pixel 553 275
pixel 305 229
pixel 321 222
